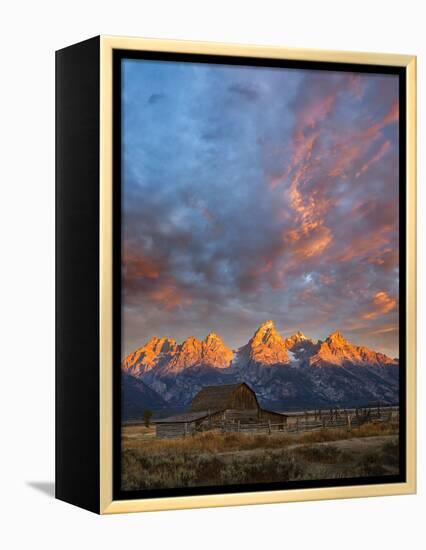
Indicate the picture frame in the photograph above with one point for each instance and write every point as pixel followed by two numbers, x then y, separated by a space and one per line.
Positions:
pixel 90 164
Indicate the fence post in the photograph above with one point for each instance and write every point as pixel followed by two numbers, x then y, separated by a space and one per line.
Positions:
pixel 269 427
pixel 297 424
pixel 185 429
pixel 349 423
pixel 238 426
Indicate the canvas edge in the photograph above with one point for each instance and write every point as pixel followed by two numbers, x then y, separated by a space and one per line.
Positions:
pixel 107 504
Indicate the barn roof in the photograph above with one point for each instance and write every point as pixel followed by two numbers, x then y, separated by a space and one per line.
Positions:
pixel 184 417
pixel 215 397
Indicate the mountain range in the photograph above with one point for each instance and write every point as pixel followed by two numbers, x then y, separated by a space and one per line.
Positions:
pixel 285 373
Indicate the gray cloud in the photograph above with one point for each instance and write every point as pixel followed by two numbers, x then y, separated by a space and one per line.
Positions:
pixel 222 222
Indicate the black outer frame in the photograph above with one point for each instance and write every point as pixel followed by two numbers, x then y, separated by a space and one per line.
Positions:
pixel 77 424
pixel 118 56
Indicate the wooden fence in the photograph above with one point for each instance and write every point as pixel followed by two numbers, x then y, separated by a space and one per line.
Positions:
pixel 303 422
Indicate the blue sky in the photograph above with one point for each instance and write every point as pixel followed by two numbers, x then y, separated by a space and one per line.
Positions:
pixel 255 193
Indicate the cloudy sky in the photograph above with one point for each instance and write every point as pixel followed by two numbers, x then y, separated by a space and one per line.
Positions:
pixel 255 193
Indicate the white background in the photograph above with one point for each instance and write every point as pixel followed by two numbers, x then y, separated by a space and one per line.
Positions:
pixel 29 33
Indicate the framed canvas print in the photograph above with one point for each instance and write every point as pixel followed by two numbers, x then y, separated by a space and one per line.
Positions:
pixel 235 274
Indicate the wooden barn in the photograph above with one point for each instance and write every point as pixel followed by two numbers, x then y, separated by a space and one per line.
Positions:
pixel 215 407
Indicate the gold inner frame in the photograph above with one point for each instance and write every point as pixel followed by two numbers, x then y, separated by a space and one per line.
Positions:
pixel 107 504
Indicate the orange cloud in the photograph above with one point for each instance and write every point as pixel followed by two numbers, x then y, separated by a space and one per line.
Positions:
pixel 319 153
pixel 382 303
pixel 346 154
pixel 137 267
pixel 145 274
pixel 303 146
pixel 309 240
pixel 309 236
pixel 384 330
pixel 365 245
pixel 169 296
pixel 265 268
pixel 317 111
pixel 392 115
pixel 356 146
pixel 375 158
pixel 327 279
pixel 387 259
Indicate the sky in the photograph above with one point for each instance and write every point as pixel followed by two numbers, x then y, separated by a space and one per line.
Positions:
pixel 254 193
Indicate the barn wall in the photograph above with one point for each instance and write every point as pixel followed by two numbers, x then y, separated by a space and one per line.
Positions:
pixel 242 398
pixel 275 418
pixel 242 415
pixel 212 421
pixel 214 418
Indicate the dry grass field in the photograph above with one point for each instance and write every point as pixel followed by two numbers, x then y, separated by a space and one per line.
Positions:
pixel 213 458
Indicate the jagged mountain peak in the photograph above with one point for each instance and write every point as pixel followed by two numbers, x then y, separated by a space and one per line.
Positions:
pixel 214 343
pixel 210 352
pixel 190 342
pixel 265 333
pixel 336 339
pixel 160 344
pixel 212 337
pixel 296 340
pixel 267 346
pixel 269 324
pixel 149 355
pixel 281 371
pixel 336 350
